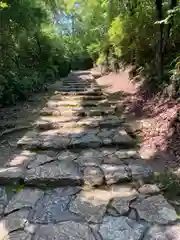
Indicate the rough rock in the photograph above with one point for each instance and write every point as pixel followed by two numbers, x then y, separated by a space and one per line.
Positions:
pixel 18 235
pixel 13 222
pixel 171 232
pixel 61 172
pixel 91 205
pixel 93 176
pixel 67 155
pixel 66 230
pixel 11 174
pixel 138 169
pixel 121 228
pixel 125 154
pixel 90 157
pixel 30 138
pixel 39 159
pixel 112 159
pixel 89 140
pixel 53 207
pixel 3 199
pixel 123 138
pixel 120 205
pixel 155 209
pixel 149 189
pixel 24 198
pixel 56 141
pixel 114 173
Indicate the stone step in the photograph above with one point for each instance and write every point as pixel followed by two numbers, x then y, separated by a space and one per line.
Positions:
pixel 67 84
pixel 76 138
pixel 58 97
pixel 80 93
pixel 88 214
pixel 47 123
pixel 79 89
pixel 77 111
pixel 93 167
pixel 88 103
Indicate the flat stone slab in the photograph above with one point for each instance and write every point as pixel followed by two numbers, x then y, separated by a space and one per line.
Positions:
pixel 11 174
pixel 24 198
pixel 53 206
pixel 76 137
pixel 90 205
pixel 155 209
pixel 171 232
pixel 67 230
pixel 115 173
pixel 121 228
pixel 61 173
pixel 13 222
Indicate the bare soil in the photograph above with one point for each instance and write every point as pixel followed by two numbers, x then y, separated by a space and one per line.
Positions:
pixel 153 118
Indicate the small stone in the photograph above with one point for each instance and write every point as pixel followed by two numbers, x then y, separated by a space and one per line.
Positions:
pixel 30 228
pixel 107 141
pixel 114 173
pixel 149 189
pixel 121 228
pixel 18 235
pixel 93 176
pixel 24 198
pixel 53 206
pixel 89 140
pixel 125 154
pixel 91 205
pixel 61 172
pixel 13 222
pixel 90 157
pixel 156 209
pixel 133 215
pixel 66 230
pixel 122 138
pixel 120 205
pixel 138 169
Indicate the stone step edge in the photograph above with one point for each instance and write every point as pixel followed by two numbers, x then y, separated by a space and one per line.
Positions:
pixel 93 103
pixel 79 146
pixel 80 93
pixel 45 125
pixel 16 176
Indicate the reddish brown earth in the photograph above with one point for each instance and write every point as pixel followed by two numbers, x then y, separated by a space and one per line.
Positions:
pixel 154 118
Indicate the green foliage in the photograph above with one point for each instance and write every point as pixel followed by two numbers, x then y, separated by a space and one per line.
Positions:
pixel 32 52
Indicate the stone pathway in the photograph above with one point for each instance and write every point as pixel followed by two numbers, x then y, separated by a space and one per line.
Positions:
pixel 78 175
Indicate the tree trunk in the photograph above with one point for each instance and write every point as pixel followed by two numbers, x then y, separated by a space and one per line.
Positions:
pixel 172 5
pixel 160 57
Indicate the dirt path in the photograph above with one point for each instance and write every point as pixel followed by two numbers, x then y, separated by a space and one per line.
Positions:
pixel 153 118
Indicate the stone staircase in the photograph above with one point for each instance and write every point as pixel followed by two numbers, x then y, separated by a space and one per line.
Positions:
pixel 79 175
